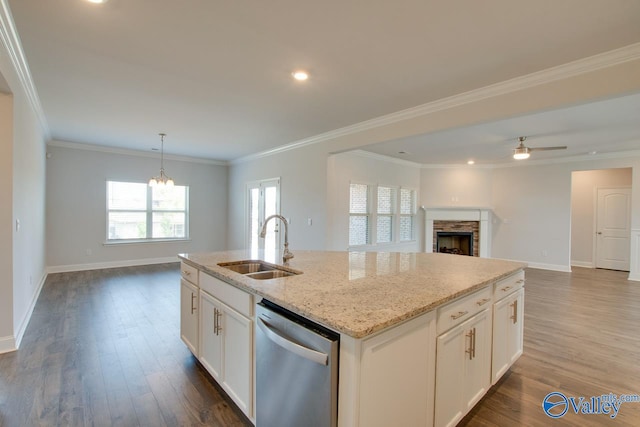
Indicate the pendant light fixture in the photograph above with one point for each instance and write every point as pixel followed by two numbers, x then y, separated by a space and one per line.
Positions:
pixel 163 179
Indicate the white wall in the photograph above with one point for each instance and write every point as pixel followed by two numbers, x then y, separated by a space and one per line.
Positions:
pixel 22 171
pixel 364 168
pixel 465 186
pixel 6 223
pixel 303 195
pixel 584 185
pixel 76 207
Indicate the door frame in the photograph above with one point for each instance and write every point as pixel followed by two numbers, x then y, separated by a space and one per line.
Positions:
pixel 247 222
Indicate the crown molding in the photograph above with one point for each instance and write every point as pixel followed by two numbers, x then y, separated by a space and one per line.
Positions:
pixel 129 152
pixel 11 41
pixel 549 75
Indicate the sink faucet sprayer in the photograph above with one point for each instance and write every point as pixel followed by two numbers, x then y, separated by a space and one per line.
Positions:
pixel 286 255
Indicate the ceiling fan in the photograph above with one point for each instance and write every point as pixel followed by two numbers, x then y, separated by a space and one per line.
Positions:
pixel 522 152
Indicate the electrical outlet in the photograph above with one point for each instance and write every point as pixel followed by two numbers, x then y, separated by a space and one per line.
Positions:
pixel 545 253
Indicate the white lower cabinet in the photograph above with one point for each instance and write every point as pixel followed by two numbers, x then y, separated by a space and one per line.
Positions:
pixel 226 349
pixel 507 333
pixel 189 315
pixel 463 366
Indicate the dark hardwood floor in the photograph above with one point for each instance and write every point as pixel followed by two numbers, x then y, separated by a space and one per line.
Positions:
pixel 103 348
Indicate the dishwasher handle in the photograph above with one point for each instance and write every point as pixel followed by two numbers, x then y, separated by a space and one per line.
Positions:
pixel 307 353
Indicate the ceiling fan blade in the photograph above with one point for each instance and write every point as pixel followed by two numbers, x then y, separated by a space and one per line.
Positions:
pixel 564 147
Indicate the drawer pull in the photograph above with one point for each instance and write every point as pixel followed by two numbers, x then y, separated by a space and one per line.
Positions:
pixel 186 272
pixel 459 315
pixel 506 288
pixel 520 281
pixel 483 301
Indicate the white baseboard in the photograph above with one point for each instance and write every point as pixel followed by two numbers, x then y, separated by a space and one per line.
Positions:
pixel 27 317
pixel 7 344
pixel 634 277
pixel 552 267
pixel 585 264
pixel 110 264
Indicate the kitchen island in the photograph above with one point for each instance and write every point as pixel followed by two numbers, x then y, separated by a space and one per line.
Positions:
pixel 406 322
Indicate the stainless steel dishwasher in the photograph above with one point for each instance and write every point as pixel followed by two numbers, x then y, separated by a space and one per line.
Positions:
pixel 296 370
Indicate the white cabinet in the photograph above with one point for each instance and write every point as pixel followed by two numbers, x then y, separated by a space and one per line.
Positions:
pixel 507 333
pixel 388 379
pixel 189 308
pixel 463 362
pixel 226 340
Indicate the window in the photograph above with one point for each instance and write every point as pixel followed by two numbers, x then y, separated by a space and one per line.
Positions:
pixel 386 211
pixel 359 215
pixel 263 201
pixel 136 211
pixel 391 220
pixel 407 214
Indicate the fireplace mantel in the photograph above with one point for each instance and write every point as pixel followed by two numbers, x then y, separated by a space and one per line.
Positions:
pixel 482 215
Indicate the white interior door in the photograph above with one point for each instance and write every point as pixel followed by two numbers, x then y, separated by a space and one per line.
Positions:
pixel 613 228
pixel 263 201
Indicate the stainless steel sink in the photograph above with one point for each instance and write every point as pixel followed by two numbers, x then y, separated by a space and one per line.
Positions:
pixel 272 274
pixel 258 270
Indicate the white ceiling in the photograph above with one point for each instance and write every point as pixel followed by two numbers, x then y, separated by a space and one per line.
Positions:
pixel 215 75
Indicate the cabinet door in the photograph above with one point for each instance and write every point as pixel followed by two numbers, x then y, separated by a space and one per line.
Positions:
pixel 507 333
pixel 477 364
pixel 463 368
pixel 450 354
pixel 211 338
pixel 189 315
pixel 238 350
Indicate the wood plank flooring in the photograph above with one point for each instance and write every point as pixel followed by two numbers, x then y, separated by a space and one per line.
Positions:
pixel 103 348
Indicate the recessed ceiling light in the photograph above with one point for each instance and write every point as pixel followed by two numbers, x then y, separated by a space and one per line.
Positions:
pixel 471 162
pixel 97 1
pixel 593 153
pixel 300 75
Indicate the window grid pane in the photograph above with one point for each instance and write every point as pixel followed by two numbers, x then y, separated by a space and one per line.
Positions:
pixel 130 196
pixel 169 198
pixel 358 199
pixel 358 230
pixel 127 225
pixel 407 202
pixel 385 229
pixel 168 225
pixel 386 200
pixel 406 228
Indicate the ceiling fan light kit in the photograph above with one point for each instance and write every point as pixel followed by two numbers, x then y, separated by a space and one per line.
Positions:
pixel 522 152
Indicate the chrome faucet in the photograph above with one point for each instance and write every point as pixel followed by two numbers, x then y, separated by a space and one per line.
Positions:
pixel 286 255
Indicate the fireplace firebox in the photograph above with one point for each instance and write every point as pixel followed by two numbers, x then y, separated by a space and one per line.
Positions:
pixel 455 242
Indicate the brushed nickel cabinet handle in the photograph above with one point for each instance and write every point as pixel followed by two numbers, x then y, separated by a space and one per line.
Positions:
pixel 215 321
pixel 483 301
pixel 515 312
pixel 506 288
pixel 193 307
pixel 459 315
pixel 472 344
pixel 186 272
pixel 520 281
pixel 218 315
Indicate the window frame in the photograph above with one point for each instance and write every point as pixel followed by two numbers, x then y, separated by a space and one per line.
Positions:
pixel 149 211
pixel 373 214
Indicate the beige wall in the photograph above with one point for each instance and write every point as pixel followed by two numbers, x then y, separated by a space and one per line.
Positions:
pixel 584 185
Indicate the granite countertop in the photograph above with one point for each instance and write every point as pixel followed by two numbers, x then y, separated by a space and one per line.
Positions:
pixel 359 293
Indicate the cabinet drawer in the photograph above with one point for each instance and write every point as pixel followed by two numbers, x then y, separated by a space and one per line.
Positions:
pixel 460 310
pixel 508 285
pixel 235 298
pixel 189 273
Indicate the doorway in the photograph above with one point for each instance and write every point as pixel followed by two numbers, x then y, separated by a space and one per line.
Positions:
pixel 263 201
pixel 600 218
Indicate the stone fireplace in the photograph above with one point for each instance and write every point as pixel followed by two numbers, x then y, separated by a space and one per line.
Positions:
pixel 462 231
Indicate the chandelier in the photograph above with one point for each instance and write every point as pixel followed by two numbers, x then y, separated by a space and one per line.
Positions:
pixel 162 179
